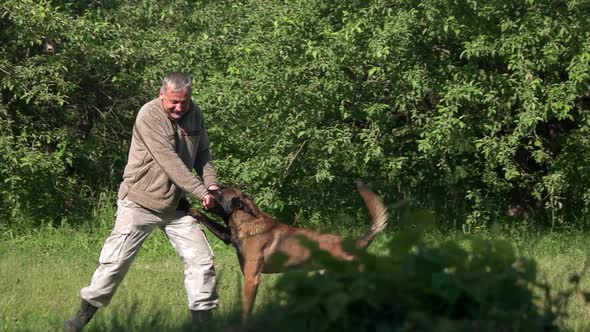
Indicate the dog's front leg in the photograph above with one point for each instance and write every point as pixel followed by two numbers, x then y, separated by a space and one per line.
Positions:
pixel 251 270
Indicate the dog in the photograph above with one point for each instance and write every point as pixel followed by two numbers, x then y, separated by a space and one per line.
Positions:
pixel 264 245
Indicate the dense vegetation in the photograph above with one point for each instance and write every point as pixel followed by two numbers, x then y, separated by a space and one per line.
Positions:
pixel 437 282
pixel 473 111
pixel 476 110
pixel 480 285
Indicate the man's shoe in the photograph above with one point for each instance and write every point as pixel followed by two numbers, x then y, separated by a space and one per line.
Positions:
pixel 81 318
pixel 199 317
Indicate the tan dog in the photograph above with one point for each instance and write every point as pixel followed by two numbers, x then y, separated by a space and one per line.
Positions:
pixel 264 245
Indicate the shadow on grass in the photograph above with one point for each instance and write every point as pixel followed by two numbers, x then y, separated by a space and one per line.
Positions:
pixel 131 318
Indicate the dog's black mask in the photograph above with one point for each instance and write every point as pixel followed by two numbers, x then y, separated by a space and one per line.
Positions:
pixel 217 209
pixel 228 200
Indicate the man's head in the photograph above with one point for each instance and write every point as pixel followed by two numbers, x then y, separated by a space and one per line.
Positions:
pixel 175 94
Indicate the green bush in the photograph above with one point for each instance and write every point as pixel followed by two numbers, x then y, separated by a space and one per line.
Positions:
pixel 474 284
pixel 475 110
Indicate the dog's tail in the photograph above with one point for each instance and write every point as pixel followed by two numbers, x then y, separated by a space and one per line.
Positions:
pixel 377 211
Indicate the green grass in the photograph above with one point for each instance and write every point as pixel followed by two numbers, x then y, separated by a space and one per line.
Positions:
pixel 559 256
pixel 41 275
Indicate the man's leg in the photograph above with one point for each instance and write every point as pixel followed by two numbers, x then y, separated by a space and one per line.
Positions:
pixel 189 241
pixel 132 227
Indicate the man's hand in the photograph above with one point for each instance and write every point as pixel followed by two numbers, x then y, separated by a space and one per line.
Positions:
pixel 208 199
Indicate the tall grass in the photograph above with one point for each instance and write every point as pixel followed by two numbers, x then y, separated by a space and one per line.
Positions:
pixel 41 275
pixel 560 256
pixel 42 272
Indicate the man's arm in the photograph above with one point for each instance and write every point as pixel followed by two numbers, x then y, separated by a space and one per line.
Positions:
pixel 204 167
pixel 203 163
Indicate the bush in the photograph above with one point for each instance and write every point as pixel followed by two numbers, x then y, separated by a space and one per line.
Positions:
pixel 475 110
pixel 474 284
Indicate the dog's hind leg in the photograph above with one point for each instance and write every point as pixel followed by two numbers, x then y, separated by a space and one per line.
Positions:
pixel 252 270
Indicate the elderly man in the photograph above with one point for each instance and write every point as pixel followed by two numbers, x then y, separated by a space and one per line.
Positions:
pixel 169 140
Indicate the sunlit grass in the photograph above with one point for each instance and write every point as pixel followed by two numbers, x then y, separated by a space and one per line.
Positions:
pixel 41 275
pixel 560 256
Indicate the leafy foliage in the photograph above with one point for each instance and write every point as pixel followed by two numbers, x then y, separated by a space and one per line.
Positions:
pixel 471 285
pixel 475 110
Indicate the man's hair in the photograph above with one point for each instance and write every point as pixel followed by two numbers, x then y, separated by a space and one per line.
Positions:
pixel 177 81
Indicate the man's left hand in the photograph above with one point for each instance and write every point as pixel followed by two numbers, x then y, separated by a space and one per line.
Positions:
pixel 208 199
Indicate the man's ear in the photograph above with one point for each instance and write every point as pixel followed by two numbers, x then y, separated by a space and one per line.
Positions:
pixel 237 203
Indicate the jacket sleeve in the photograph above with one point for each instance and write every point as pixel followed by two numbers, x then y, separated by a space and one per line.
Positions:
pixel 203 163
pixel 161 148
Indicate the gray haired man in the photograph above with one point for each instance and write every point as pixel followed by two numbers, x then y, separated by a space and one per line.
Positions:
pixel 169 141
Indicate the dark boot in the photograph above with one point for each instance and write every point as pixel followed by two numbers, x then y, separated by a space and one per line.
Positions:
pixel 199 317
pixel 81 318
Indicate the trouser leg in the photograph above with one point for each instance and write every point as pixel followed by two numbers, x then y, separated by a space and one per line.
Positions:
pixel 132 227
pixel 189 241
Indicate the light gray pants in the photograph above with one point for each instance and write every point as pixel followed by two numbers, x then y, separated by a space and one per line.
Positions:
pixel 133 225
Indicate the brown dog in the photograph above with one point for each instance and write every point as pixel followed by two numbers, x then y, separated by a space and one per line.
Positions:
pixel 264 245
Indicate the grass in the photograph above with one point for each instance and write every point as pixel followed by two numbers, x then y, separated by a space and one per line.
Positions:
pixel 559 256
pixel 41 275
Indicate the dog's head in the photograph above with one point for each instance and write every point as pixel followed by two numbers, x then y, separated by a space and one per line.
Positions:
pixel 230 199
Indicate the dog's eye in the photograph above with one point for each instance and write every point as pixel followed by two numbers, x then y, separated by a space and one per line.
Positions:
pixel 214 192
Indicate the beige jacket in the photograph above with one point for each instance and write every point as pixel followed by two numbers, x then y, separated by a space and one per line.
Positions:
pixel 163 154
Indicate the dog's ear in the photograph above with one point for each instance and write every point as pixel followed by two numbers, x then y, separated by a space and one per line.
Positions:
pixel 237 203
pixel 249 203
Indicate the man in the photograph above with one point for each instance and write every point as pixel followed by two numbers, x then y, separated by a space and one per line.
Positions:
pixel 169 140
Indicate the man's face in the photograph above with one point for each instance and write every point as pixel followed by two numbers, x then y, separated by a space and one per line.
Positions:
pixel 175 103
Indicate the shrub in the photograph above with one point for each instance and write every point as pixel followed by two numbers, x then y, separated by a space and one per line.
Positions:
pixel 476 110
pixel 474 284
